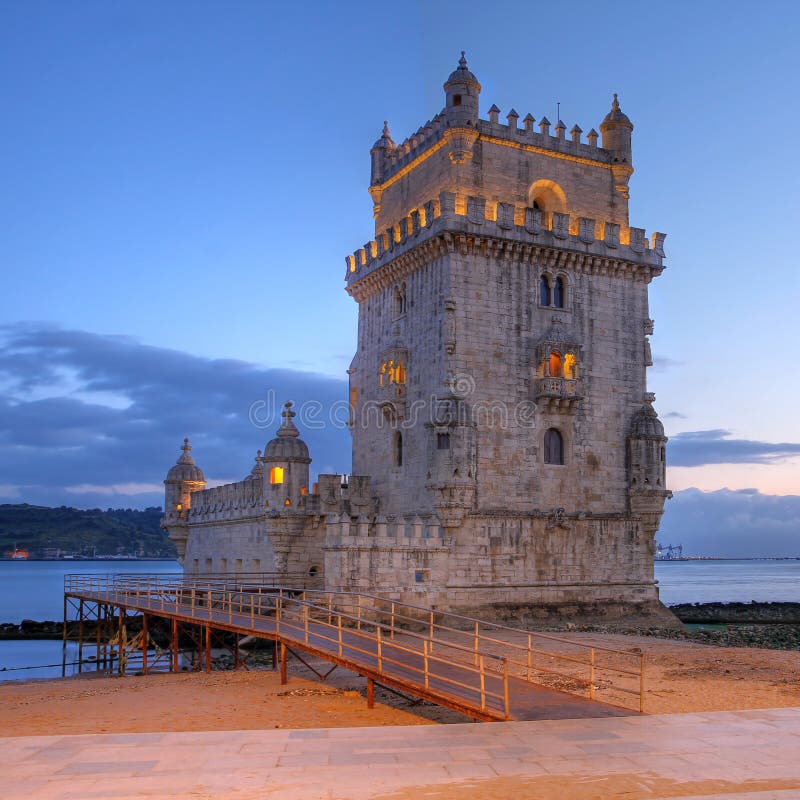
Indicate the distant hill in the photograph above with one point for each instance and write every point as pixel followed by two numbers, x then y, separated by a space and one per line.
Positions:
pixel 53 532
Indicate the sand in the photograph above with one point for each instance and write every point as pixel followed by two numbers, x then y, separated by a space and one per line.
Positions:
pixel 681 677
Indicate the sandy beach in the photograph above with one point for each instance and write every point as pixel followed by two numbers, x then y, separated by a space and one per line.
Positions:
pixel 681 677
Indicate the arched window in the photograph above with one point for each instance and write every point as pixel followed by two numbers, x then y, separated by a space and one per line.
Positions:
pixel 547 196
pixel 276 475
pixel 570 370
pixel 554 365
pixel 558 293
pixel 544 291
pixel 553 447
pixel 398 449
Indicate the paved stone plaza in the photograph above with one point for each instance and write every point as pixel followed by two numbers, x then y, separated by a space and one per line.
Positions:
pixel 741 754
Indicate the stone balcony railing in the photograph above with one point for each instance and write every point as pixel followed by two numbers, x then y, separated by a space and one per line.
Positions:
pixel 557 394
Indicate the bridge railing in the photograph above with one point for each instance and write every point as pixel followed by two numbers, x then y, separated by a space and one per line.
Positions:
pixel 354 637
pixel 477 647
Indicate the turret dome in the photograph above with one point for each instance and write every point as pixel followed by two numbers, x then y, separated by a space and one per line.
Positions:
pixel 385 142
pixel 616 116
pixel 462 75
pixel 185 469
pixel 287 445
pixel 646 424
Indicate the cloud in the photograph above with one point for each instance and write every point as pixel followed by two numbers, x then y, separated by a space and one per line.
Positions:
pixel 734 524
pixel 695 448
pixel 114 488
pixel 674 415
pixel 662 363
pixel 98 419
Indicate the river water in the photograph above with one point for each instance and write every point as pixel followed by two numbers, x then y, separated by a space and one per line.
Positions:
pixel 34 590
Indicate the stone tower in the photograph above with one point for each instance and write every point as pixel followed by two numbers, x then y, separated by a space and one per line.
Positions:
pixel 498 390
pixel 182 479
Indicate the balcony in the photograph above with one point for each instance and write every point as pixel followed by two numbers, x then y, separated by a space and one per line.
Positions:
pixel 559 395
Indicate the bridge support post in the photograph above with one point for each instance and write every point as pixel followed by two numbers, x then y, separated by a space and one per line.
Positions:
pixel 284 679
pixel 174 644
pixel 144 644
pixel 80 636
pixel 208 648
pixel 370 693
pixel 64 641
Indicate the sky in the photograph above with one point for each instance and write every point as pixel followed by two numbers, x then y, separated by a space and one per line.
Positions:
pixel 181 183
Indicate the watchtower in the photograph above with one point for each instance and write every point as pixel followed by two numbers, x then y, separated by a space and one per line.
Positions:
pixel 500 377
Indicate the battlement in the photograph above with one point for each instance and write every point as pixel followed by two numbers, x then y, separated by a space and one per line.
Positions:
pixel 408 531
pixel 478 216
pixel 434 133
pixel 229 501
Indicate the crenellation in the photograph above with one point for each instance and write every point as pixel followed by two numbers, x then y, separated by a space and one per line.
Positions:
pixel 578 232
pixel 528 123
pixel 544 127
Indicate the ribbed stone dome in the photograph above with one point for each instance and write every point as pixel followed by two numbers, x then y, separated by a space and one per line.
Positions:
pixel 616 116
pixel 287 445
pixel 185 469
pixel 462 74
pixel 385 142
pixel 646 424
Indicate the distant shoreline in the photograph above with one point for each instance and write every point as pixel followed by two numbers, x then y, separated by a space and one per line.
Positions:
pixel 726 558
pixel 90 558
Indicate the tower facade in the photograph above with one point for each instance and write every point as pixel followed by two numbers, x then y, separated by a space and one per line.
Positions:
pixel 499 384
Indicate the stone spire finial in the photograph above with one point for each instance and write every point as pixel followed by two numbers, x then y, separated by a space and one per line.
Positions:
pixel 186 456
pixel 258 468
pixel 385 141
pixel 462 62
pixel 288 428
pixel 616 116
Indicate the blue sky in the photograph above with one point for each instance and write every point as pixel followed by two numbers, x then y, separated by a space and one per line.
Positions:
pixel 181 183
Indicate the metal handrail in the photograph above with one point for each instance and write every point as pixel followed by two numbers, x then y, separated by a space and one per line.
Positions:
pixel 225 593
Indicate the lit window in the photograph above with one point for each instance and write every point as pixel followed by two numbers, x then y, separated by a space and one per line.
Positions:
pixel 554 366
pixel 304 490
pixel 553 447
pixel 276 475
pixel 392 371
pixel 570 370
pixel 287 502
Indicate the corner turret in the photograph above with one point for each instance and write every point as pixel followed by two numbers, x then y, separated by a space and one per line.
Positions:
pixel 183 478
pixel 462 92
pixel 380 150
pixel 616 130
pixel 286 463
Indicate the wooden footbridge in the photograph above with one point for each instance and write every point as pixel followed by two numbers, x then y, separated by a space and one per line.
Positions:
pixel 484 670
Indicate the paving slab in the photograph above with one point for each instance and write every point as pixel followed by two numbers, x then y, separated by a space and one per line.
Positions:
pixel 730 754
